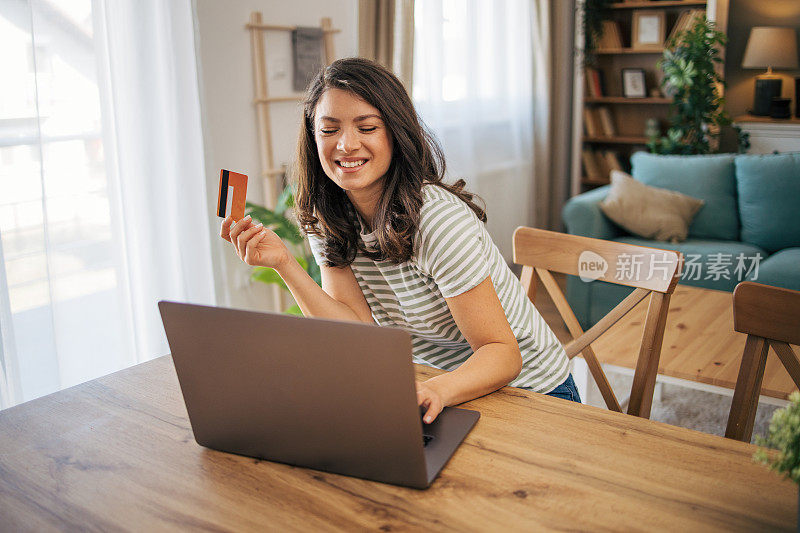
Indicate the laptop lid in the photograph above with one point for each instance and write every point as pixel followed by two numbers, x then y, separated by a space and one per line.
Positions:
pixel 329 395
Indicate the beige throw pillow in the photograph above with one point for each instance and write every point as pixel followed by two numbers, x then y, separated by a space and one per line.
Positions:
pixel 647 211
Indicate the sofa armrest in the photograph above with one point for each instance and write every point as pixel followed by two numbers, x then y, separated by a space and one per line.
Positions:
pixel 582 216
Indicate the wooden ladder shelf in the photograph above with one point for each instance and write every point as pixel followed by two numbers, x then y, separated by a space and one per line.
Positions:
pixel 270 173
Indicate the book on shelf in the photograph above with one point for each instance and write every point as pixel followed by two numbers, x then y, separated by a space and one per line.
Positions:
pixel 590 165
pixel 595 84
pixel 612 36
pixel 612 161
pixel 602 164
pixel 587 78
pixel 606 122
pixel 591 124
pixel 685 21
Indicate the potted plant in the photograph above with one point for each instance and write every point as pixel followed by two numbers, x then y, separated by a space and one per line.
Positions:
pixel 280 221
pixel 592 12
pixel 692 79
pixel 783 435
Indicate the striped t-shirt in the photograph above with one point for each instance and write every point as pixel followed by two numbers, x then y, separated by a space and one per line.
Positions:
pixel 453 253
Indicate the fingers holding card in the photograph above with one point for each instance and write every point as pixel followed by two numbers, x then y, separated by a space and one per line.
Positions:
pixel 232 194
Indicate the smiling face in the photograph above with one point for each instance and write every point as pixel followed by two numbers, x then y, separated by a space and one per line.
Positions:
pixel 353 143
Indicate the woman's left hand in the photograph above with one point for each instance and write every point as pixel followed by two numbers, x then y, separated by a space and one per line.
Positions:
pixel 429 398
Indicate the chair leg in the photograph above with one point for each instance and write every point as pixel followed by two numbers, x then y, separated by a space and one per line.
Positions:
pixel 789 360
pixel 748 388
pixel 644 379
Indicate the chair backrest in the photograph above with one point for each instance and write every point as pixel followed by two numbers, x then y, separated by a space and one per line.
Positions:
pixel 614 262
pixel 651 271
pixel 770 317
pixel 767 311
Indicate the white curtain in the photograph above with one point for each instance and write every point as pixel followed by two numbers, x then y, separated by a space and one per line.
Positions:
pixel 102 196
pixel 478 85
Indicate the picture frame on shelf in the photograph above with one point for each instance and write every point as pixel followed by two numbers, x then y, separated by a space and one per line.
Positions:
pixel 633 83
pixel 649 29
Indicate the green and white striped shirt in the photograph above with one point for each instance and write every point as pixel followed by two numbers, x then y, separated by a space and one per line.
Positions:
pixel 453 253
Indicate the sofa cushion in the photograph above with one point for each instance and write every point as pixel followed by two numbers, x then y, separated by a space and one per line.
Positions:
pixel 709 263
pixel 769 192
pixel 780 270
pixel 708 177
pixel 649 212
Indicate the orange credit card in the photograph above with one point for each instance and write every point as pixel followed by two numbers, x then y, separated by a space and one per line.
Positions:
pixel 232 194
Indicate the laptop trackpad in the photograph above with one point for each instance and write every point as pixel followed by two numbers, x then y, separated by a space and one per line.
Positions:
pixel 445 434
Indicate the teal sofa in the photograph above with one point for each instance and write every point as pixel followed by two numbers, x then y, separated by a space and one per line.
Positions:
pixel 748 229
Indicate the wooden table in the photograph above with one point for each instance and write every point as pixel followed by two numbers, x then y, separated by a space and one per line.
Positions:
pixel 118 453
pixel 699 342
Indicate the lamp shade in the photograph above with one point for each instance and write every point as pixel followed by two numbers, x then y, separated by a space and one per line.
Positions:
pixel 771 47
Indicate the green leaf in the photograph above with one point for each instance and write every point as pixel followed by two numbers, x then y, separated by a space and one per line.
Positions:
pixel 314 271
pixel 287 230
pixel 282 226
pixel 267 275
pixel 294 310
pixel 784 436
pixel 592 13
pixel 697 114
pixel 285 200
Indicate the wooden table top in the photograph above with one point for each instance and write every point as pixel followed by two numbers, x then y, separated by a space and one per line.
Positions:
pixel 699 342
pixel 118 452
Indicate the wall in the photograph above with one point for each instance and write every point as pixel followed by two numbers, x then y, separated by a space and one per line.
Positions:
pixel 744 14
pixel 229 129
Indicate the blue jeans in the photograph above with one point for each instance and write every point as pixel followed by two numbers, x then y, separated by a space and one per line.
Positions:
pixel 567 391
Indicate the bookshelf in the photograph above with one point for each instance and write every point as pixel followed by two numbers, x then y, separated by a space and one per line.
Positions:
pixel 598 90
pixel 623 100
pixel 623 51
pixel 616 139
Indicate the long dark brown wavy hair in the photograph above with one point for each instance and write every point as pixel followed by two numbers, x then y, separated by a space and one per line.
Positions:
pixel 323 208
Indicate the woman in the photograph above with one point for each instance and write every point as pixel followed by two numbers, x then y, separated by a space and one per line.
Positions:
pixel 397 246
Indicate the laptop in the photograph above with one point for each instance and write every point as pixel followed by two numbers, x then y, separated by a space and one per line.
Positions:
pixel 333 396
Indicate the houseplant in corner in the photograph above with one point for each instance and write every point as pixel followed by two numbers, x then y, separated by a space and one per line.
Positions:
pixel 691 78
pixel 784 435
pixel 282 223
pixel 592 14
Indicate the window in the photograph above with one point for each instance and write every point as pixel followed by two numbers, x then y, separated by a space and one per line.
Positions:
pixel 472 86
pixel 82 260
pixel 60 249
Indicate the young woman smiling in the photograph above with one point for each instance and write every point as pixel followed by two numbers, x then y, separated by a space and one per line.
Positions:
pixel 399 247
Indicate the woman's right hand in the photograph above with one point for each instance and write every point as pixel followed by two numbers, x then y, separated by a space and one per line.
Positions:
pixel 255 244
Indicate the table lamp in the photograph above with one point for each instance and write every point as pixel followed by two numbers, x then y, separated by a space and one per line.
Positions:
pixel 769 47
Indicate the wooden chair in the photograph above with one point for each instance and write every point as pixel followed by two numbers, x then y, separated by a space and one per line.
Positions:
pixel 542 252
pixel 769 316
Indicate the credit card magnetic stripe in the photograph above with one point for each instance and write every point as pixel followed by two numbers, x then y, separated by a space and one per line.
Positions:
pixel 223 194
